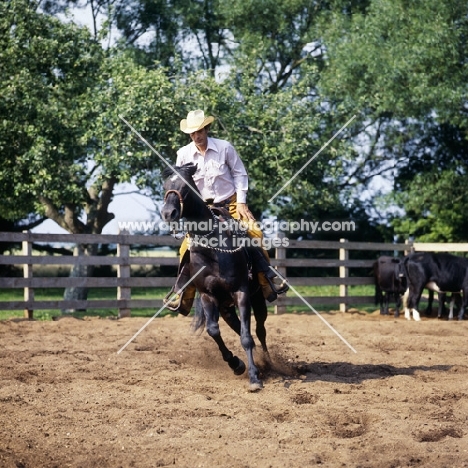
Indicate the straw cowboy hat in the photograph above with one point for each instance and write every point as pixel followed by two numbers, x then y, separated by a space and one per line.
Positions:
pixel 195 120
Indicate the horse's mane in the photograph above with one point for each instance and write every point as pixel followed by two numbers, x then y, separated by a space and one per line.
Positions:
pixel 186 171
pixel 185 175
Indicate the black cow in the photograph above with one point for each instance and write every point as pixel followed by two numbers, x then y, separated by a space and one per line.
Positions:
pixel 455 299
pixel 439 272
pixel 388 283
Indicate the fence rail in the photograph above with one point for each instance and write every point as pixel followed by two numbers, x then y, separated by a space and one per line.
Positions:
pixel 124 260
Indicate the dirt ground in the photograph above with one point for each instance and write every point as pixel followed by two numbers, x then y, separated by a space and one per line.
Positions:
pixel 68 399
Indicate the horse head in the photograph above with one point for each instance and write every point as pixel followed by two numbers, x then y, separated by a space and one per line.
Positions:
pixel 179 191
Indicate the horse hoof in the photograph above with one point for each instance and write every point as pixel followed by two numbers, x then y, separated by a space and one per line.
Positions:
pixel 237 365
pixel 240 369
pixel 255 387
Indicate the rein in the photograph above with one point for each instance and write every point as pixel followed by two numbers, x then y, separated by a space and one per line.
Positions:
pixel 203 236
pixel 181 201
pixel 206 236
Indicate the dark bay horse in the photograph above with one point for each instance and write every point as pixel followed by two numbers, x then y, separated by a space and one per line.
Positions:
pixel 224 282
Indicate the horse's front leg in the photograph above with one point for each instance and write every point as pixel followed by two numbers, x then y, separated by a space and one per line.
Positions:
pixel 243 302
pixel 210 309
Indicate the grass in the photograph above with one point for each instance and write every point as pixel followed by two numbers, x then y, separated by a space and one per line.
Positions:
pixel 7 295
pixel 54 294
pixel 330 291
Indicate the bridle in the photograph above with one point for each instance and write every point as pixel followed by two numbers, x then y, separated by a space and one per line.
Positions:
pixel 179 195
pixel 181 201
pixel 216 224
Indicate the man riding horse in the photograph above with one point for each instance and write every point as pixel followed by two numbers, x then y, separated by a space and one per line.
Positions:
pixel 222 181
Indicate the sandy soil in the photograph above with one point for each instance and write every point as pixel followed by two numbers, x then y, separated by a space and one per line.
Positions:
pixel 68 399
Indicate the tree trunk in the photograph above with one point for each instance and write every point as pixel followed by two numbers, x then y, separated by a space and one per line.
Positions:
pixel 79 271
pixel 98 200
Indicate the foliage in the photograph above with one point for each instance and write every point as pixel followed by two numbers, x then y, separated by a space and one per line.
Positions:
pixel 47 68
pixel 400 57
pixel 281 77
pixel 435 204
pixel 145 99
pixel 151 28
pixel 63 145
pixel 404 65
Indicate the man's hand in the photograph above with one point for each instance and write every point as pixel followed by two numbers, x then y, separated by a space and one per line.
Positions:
pixel 244 212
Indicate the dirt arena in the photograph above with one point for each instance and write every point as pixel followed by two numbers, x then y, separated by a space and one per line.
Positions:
pixel 67 399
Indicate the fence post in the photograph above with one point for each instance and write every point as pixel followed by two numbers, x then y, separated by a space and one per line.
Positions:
pixel 344 255
pixel 411 250
pixel 280 254
pixel 123 271
pixel 28 274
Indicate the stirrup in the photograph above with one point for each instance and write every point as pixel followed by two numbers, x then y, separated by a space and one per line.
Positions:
pixel 282 285
pixel 173 304
pixel 181 302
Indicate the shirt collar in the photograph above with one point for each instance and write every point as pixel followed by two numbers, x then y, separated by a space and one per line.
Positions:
pixel 210 146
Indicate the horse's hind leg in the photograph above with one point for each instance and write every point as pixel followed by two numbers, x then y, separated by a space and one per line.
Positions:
pixel 260 312
pixel 230 317
pixel 212 328
pixel 243 301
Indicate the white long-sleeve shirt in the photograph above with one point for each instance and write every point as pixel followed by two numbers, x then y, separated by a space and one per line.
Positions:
pixel 220 172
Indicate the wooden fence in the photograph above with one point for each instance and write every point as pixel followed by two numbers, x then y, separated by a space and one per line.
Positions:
pixel 124 261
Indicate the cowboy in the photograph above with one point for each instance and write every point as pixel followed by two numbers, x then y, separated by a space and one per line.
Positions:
pixel 222 181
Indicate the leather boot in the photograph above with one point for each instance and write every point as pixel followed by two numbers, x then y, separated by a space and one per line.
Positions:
pixel 267 291
pixel 271 283
pixel 278 284
pixel 179 300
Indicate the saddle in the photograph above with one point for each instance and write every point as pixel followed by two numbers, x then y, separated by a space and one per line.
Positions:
pixel 221 212
pixel 255 257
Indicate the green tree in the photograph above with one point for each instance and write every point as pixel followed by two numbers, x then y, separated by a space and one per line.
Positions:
pixel 403 64
pixel 46 68
pixel 63 146
pixel 435 207
pixel 399 57
pixel 267 102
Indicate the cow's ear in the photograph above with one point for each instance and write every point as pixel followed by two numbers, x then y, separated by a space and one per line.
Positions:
pixel 395 260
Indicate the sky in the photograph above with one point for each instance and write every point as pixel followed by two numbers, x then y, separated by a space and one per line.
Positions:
pixel 134 207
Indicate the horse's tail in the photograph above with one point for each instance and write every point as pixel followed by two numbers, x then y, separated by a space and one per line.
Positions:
pixel 378 290
pixel 199 317
pixel 378 296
